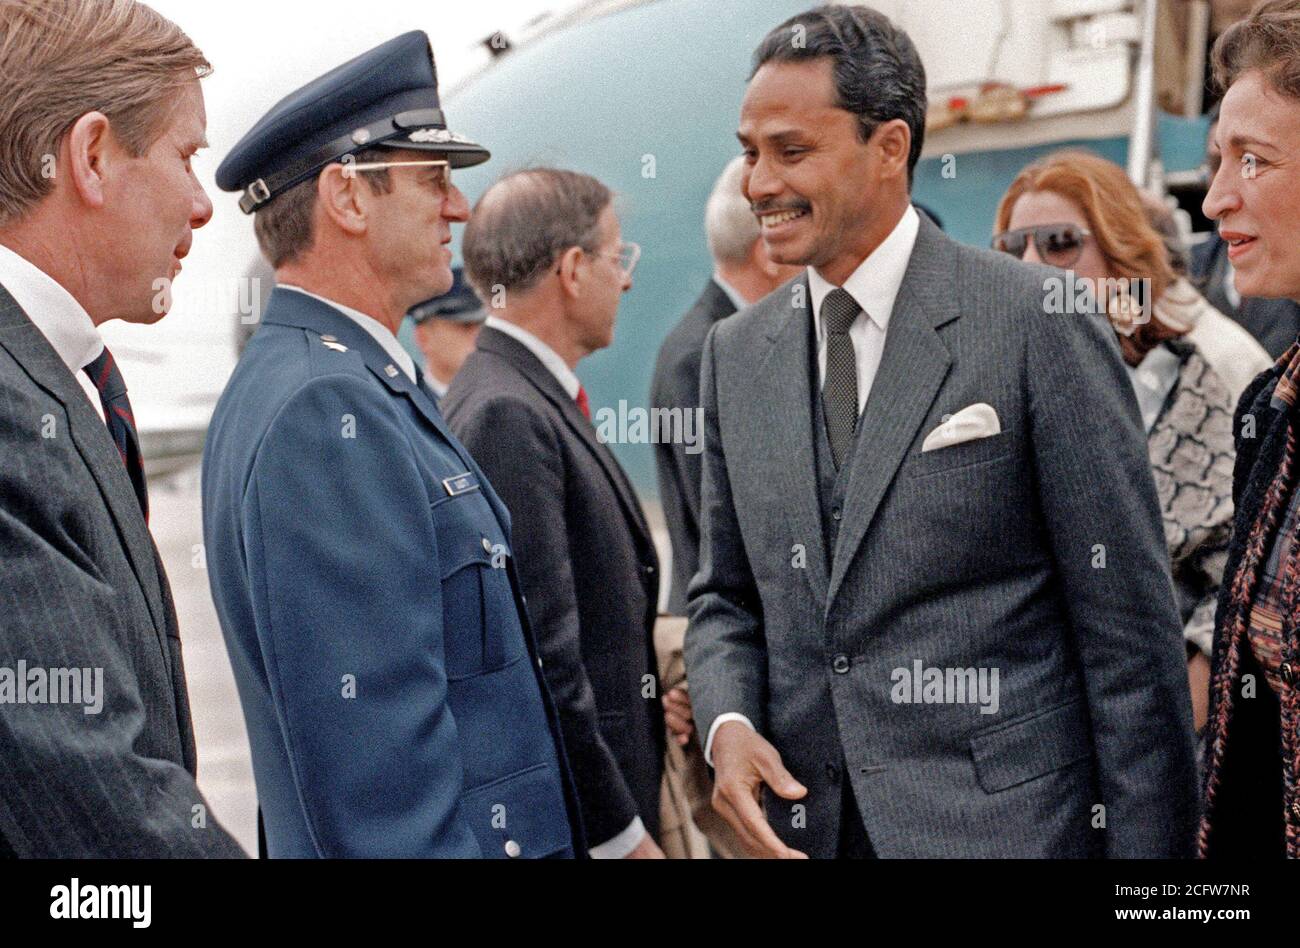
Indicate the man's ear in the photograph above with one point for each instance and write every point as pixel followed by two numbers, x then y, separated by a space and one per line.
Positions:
pixel 339 193
pixel 570 279
pixel 89 153
pixel 894 139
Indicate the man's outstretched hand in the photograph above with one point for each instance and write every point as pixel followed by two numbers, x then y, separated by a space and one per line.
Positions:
pixel 742 762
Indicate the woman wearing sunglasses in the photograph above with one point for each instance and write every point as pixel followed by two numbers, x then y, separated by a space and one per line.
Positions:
pixel 1188 363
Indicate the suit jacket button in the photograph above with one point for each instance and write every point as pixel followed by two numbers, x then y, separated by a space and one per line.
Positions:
pixel 840 665
pixel 832 773
pixel 512 849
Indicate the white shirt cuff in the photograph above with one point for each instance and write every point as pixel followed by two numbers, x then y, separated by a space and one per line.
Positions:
pixel 622 845
pixel 720 720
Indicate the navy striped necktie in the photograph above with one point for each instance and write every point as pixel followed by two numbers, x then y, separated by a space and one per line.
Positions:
pixel 108 381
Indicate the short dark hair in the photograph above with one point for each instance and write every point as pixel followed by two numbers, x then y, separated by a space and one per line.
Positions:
pixel 286 228
pixel 525 221
pixel 1269 40
pixel 878 72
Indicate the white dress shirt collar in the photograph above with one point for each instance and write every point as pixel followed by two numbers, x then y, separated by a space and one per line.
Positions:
pixel 548 356
pixel 378 330
pixel 57 314
pixel 436 385
pixel 1153 379
pixel 875 283
pixel 733 294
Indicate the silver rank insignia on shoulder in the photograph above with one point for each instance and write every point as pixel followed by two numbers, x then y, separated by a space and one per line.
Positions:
pixel 332 342
pixel 391 371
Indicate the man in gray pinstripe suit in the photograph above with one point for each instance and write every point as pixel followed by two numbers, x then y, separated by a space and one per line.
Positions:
pixel 101 115
pixel 933 615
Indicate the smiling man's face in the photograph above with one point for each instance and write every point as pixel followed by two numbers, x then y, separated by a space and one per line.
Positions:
pixel 816 187
pixel 1255 196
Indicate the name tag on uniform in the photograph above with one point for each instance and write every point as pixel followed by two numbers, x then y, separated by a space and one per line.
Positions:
pixel 460 484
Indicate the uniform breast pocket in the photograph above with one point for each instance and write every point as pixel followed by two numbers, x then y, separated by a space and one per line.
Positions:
pixel 481 630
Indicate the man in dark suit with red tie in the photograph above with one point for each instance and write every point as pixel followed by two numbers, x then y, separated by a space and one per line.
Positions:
pixel 544 248
pixel 97 753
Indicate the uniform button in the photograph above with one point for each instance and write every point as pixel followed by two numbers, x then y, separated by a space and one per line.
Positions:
pixel 840 665
pixel 512 849
pixel 649 570
pixel 1288 674
pixel 832 773
pixel 837 514
pixel 487 545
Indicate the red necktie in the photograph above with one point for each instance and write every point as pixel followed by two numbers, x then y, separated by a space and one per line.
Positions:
pixel 111 386
pixel 583 405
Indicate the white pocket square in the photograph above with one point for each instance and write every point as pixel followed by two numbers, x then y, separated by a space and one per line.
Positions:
pixel 969 424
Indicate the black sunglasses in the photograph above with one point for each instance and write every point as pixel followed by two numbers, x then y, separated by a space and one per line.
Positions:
pixel 1058 245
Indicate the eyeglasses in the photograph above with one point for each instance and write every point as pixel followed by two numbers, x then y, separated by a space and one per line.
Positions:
pixel 1058 245
pixel 627 256
pixel 444 179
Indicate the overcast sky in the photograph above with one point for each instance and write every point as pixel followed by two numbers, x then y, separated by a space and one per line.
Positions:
pixel 262 50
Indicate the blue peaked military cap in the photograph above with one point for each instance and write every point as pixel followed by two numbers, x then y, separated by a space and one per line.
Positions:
pixel 386 98
pixel 459 305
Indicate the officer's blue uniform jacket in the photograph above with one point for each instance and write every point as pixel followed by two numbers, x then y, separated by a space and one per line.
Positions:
pixel 361 568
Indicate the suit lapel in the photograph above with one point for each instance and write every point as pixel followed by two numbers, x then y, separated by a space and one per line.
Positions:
pixel 519 356
pixel 912 368
pixel 785 393
pixel 25 343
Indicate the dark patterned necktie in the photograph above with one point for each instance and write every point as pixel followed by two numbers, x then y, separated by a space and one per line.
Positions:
pixel 108 381
pixel 840 393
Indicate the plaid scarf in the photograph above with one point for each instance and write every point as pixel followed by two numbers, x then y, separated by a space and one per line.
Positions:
pixel 1261 612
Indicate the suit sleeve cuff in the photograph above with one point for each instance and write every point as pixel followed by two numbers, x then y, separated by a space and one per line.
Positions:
pixel 622 845
pixel 720 720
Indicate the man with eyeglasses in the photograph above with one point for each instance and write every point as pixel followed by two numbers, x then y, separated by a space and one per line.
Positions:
pixel 361 563
pixel 543 247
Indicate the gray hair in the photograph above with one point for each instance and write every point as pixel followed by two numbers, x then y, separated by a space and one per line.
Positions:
pixel 525 221
pixel 729 221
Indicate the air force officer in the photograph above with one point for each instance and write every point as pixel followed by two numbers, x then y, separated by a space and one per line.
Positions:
pixel 360 561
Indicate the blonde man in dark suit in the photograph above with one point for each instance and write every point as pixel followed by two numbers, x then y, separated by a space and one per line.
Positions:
pixel 101 115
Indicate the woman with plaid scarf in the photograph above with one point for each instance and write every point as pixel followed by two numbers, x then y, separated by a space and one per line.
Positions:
pixel 1252 788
